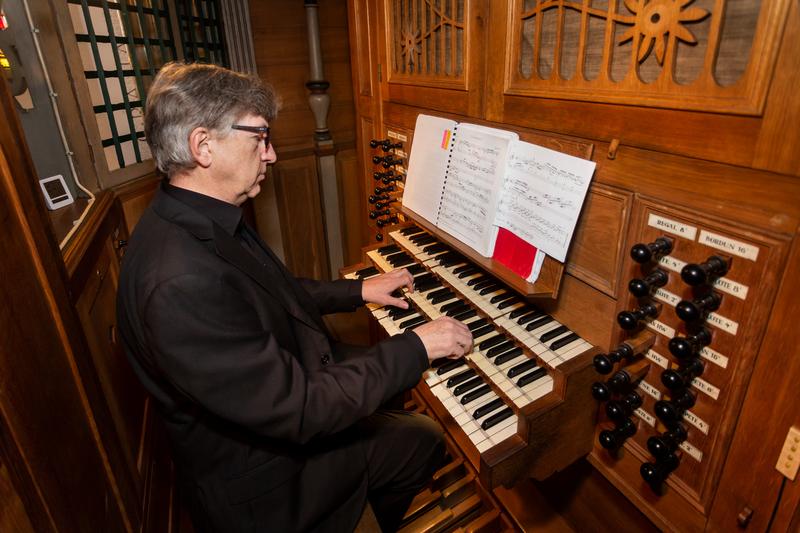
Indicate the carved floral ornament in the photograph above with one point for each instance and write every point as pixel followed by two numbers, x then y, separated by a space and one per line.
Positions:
pixel 659 20
pixel 409 42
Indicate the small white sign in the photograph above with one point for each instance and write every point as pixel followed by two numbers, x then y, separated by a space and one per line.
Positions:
pixel 729 245
pixel 676 228
pixel 696 421
pixel 714 356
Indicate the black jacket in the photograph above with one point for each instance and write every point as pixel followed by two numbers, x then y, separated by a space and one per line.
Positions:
pixel 256 397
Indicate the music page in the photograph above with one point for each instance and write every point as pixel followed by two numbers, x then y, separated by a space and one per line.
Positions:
pixel 542 196
pixel 475 172
pixel 427 165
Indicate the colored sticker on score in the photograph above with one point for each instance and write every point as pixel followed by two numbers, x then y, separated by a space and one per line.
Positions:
pixel 446 139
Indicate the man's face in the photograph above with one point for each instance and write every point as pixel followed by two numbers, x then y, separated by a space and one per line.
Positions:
pixel 243 158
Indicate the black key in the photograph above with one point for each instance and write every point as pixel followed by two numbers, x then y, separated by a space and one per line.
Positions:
pixel 388 249
pixel 503 296
pixel 515 371
pixel 367 272
pixel 490 288
pixel 435 248
pixel 487 408
pixel 445 297
pixel 440 292
pixel 524 319
pixel 397 313
pixel 469 313
pixel 428 285
pixel 446 307
pixel 539 322
pixel 451 365
pixel 478 279
pixel 475 324
pixel 468 386
pixel 400 258
pixel 485 282
pixel 563 341
pixel 461 269
pixel 456 310
pixel 411 322
pixel 492 341
pixel 481 331
pixel 497 418
pixel 422 240
pixel 508 356
pixel 500 348
pixel 467 273
pixel 471 396
pixel 410 230
pixel 415 269
pixel 461 377
pixel 507 303
pixel 424 278
pixel 521 311
pixel 553 333
pixel 449 259
pixel 531 377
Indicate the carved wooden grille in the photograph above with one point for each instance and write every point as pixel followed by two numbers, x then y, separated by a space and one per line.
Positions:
pixel 689 54
pixel 427 39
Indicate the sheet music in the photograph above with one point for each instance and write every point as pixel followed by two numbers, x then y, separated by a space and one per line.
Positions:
pixel 475 172
pixel 542 196
pixel 427 165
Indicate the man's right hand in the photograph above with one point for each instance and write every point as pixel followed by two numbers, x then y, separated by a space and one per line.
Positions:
pixel 445 337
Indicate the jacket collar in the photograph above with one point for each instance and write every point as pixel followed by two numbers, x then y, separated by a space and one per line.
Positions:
pixel 228 248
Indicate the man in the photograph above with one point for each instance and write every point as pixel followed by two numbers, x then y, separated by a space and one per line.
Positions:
pixel 273 425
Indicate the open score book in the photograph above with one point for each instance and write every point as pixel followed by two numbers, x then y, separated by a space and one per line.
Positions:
pixel 501 196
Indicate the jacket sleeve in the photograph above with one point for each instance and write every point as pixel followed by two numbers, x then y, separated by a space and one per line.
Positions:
pixel 334 296
pixel 211 345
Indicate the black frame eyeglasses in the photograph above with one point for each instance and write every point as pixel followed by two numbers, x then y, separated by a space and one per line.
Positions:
pixel 262 131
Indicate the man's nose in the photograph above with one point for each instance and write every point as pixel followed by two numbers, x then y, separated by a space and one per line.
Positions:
pixel 269 155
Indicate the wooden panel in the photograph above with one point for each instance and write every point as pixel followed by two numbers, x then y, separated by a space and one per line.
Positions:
pixel 596 252
pixel 12 512
pixel 134 197
pixel 297 195
pixel 280 39
pixel 352 200
pixel 40 343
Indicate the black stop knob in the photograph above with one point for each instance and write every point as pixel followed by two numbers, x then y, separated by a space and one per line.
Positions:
pixel 381 190
pixel 377 198
pixel 630 319
pixel 697 309
pixel 389 161
pixel 389 179
pixel 643 287
pixel 704 273
pixel 382 175
pixel 688 347
pixel 378 159
pixel 619 410
pixel 663 445
pixel 379 237
pixel 387 145
pixel 386 221
pixel 374 143
pixel 613 439
pixel 676 380
pixel 604 363
pixel 620 381
pixel 644 253
pixel 600 392
pixel 655 473
pixel 671 412
pixel 375 214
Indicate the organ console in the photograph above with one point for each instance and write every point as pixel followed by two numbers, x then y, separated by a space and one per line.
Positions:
pixel 679 275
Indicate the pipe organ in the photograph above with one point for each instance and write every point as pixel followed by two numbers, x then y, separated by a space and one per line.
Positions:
pixel 661 352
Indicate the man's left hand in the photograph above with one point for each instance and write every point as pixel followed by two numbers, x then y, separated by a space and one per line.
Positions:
pixel 378 290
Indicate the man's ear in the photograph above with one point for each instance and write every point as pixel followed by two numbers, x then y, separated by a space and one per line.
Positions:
pixel 199 146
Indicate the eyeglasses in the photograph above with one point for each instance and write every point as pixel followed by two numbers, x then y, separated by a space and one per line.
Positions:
pixel 262 131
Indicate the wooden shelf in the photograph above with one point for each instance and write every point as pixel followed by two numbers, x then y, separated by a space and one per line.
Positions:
pixel 546 286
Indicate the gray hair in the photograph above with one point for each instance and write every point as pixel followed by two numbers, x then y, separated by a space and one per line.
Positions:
pixel 187 96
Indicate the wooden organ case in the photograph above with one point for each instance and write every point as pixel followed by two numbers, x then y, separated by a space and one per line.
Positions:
pixel 682 271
